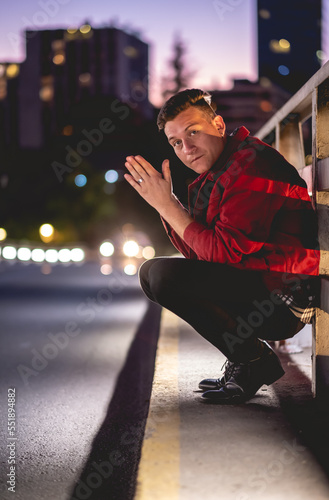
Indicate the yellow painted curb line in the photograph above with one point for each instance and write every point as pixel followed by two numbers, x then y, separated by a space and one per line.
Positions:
pixel 158 474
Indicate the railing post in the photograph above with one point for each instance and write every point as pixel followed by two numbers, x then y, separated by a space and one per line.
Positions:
pixel 291 142
pixel 320 132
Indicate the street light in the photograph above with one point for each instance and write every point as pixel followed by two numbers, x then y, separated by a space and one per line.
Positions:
pixel 3 234
pixel 131 248
pixel 46 232
pixel 24 254
pixel 106 249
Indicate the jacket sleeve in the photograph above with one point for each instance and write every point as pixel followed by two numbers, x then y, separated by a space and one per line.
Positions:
pixel 178 242
pixel 242 216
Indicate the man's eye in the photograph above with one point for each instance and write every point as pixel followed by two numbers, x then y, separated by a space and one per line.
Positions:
pixel 193 132
pixel 176 143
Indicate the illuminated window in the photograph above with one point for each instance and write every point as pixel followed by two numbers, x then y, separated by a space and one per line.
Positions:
pixel 85 79
pixel 58 45
pixel 284 45
pixel 59 58
pixel 46 93
pixel 85 28
pixel 283 70
pixel 67 130
pixel 280 46
pixel 264 14
pixel 265 82
pixel 12 70
pixel 321 55
pixel 130 51
pixel 266 106
pixel 3 88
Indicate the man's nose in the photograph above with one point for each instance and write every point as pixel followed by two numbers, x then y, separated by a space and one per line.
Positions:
pixel 188 146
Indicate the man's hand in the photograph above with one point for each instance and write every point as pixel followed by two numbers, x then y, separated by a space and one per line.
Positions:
pixel 156 189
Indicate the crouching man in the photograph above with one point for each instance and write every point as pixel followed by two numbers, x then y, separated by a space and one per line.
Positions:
pixel 249 239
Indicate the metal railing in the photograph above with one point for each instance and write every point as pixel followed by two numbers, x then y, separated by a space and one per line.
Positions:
pixel 284 132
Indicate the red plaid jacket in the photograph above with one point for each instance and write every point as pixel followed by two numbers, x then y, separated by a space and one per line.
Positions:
pixel 251 210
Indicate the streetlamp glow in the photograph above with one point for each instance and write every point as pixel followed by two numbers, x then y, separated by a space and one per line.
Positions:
pixel 9 253
pixel 38 255
pixel 46 232
pixel 130 269
pixel 131 248
pixel 77 255
pixel 148 252
pixel 3 234
pixel 24 254
pixel 106 249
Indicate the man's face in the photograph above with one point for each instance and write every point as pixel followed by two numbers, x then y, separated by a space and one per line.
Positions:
pixel 197 142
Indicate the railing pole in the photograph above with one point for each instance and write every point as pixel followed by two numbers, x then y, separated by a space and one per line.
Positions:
pixel 291 143
pixel 320 132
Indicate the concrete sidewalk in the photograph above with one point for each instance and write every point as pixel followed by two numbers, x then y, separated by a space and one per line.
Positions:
pixel 274 447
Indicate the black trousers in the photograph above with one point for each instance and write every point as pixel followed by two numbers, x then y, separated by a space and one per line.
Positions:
pixel 231 308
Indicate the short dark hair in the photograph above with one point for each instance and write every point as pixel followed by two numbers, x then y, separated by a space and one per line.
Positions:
pixel 184 100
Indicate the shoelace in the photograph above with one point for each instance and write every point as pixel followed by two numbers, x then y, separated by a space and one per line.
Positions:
pixel 234 368
pixel 228 368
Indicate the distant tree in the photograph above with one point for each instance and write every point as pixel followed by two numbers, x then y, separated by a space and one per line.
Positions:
pixel 179 76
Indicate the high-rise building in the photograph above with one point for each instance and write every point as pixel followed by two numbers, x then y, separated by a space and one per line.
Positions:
pixel 289 41
pixel 65 67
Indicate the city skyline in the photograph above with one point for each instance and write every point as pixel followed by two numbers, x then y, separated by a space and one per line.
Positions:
pixel 157 27
pixel 232 46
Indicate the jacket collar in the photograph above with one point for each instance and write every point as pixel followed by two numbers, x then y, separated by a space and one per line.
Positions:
pixel 233 142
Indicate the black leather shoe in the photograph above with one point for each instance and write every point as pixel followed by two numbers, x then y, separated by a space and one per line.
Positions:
pixel 246 378
pixel 208 384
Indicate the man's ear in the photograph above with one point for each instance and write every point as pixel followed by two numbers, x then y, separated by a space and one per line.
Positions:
pixel 220 124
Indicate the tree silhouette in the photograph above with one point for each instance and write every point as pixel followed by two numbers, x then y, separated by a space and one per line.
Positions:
pixel 178 77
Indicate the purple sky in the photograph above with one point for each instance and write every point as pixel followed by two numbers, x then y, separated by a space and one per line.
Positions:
pixel 221 45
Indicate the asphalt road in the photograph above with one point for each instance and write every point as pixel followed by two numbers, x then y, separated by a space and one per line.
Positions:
pixel 76 366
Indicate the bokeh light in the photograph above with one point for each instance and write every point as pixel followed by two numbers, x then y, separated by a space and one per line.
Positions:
pixel 148 252
pixel 85 28
pixel 46 232
pixel 77 255
pixel 3 234
pixel 130 269
pixel 131 248
pixel 12 70
pixel 106 249
pixel 51 255
pixel 38 255
pixel 283 70
pixel 9 253
pixel 80 180
pixel 106 269
pixel 64 255
pixel 111 176
pixel 24 254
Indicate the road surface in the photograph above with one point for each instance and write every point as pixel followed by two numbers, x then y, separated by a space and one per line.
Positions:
pixel 71 369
